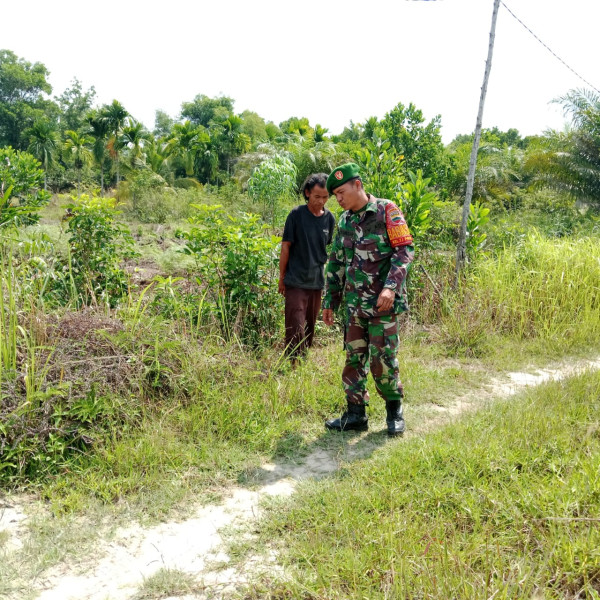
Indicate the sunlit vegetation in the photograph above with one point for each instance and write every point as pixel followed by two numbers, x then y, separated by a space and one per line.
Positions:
pixel 141 336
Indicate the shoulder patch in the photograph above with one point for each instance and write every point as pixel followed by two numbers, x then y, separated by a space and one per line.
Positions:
pixel 396 226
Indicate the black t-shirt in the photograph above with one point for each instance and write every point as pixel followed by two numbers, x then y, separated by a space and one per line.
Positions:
pixel 309 236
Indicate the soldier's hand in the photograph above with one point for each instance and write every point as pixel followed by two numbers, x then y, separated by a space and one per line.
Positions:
pixel 281 287
pixel 386 300
pixel 328 316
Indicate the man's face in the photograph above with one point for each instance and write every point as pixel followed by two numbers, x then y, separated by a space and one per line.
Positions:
pixel 317 198
pixel 348 195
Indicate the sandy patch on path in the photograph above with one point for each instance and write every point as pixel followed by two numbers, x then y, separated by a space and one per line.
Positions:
pixel 509 385
pixel 12 525
pixel 136 553
pixel 194 545
pixel 516 381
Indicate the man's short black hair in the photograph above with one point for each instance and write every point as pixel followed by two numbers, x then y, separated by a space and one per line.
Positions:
pixel 319 179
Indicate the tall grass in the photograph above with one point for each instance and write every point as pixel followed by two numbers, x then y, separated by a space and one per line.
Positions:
pixel 542 288
pixel 504 504
pixel 8 317
pixel 548 288
pixel 25 362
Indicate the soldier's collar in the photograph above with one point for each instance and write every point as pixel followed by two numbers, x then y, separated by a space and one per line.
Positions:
pixel 370 206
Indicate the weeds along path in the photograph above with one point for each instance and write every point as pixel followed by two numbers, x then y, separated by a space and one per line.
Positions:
pixel 121 569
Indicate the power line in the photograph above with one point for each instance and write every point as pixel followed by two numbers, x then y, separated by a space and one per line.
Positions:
pixel 549 49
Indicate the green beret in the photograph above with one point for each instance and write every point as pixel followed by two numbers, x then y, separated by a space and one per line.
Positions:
pixel 342 174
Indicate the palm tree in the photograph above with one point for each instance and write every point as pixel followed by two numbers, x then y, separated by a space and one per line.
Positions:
pixel 310 157
pixel 570 160
pixel 43 144
pixel 98 130
pixel 157 155
pixel 498 171
pixel 116 118
pixel 77 145
pixel 134 135
pixel 209 161
pixel 186 143
pixel 233 141
pixel 320 132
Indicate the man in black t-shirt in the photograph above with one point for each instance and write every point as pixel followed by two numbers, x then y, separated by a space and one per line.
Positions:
pixel 307 233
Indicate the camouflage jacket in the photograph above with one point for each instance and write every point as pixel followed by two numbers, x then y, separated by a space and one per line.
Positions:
pixel 372 249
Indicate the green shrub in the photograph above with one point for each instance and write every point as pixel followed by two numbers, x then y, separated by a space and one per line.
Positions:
pixel 478 219
pixel 187 183
pixel 381 166
pixel 445 223
pixel 416 201
pixel 237 262
pixel 159 206
pixel 97 245
pixel 22 192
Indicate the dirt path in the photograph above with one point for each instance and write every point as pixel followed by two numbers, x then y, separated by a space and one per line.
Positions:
pixel 194 546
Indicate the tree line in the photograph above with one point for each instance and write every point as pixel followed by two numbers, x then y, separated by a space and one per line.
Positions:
pixel 80 144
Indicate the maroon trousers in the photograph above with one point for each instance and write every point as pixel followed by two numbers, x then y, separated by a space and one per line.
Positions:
pixel 301 311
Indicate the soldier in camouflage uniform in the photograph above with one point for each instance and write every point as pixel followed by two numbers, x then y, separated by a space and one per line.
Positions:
pixel 369 261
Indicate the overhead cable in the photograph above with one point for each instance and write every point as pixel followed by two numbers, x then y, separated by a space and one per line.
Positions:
pixel 550 49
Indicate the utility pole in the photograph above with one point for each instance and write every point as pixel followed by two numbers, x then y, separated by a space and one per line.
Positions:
pixel 461 252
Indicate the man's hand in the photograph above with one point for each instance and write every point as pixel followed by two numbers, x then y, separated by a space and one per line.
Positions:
pixel 281 287
pixel 328 316
pixel 386 300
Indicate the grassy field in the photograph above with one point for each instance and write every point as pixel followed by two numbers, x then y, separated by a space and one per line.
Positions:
pixel 501 504
pixel 144 409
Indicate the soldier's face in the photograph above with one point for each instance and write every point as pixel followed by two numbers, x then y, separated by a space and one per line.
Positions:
pixel 317 198
pixel 348 195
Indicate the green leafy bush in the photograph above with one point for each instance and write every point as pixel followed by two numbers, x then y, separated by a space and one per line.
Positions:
pixel 445 223
pixel 478 219
pixel 416 202
pixel 22 192
pixel 237 261
pixel 97 245
pixel 381 167
pixel 160 206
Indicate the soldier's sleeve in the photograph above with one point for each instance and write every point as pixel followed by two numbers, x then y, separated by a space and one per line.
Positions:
pixel 335 274
pixel 399 265
pixel 401 242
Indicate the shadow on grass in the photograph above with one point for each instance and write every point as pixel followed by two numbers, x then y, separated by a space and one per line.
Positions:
pixel 324 456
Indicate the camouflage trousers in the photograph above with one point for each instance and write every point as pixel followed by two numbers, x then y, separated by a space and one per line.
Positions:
pixel 376 338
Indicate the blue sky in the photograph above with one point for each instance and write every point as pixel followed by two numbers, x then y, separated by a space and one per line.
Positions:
pixel 332 61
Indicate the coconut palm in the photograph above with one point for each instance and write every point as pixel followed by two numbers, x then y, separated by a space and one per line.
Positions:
pixel 320 132
pixel 310 157
pixel 498 173
pixel 43 144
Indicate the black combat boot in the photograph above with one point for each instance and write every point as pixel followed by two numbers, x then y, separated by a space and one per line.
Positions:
pixel 395 421
pixel 354 419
